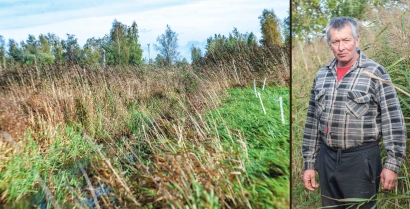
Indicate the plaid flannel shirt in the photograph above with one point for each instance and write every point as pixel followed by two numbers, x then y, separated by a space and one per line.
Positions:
pixel 356 110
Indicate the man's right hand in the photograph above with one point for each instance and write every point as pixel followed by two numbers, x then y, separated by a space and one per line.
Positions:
pixel 309 179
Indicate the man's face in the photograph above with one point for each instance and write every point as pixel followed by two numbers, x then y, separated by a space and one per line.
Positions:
pixel 344 45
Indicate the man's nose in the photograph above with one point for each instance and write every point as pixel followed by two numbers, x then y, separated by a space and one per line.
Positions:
pixel 341 46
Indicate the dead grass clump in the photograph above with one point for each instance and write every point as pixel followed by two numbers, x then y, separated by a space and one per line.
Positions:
pixel 12 120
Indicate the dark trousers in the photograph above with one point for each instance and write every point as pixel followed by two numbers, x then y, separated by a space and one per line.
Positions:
pixel 351 173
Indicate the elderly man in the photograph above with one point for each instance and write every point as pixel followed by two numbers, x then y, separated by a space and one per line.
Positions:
pixel 348 114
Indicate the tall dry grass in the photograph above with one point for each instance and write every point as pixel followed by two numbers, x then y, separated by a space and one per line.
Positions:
pixel 135 132
pixel 383 39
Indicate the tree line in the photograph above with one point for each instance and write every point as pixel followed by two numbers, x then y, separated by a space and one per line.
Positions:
pixel 121 46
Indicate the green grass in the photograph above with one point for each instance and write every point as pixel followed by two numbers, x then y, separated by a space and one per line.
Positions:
pixel 32 171
pixel 263 142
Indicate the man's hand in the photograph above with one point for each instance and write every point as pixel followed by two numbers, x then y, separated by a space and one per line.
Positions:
pixel 388 179
pixel 309 179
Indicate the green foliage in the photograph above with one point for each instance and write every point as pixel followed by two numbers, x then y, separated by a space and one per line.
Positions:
pixel 2 46
pixel 122 45
pixel 135 56
pixel 196 54
pixel 72 50
pixel 57 49
pixel 2 52
pixel 15 52
pixel 286 31
pixel 30 172
pixel 32 52
pixel 137 124
pixel 266 139
pixel 160 61
pixel 168 46
pixel 182 63
pixel 309 18
pixel 240 52
pixel 44 44
pixel 270 28
pixel 232 44
pixel 92 52
pixel 198 197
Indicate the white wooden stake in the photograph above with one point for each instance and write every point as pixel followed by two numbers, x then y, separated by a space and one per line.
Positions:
pixel 281 110
pixel 260 99
pixel 263 86
pixel 254 88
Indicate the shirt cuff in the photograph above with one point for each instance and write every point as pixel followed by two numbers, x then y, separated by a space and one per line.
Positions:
pixel 392 164
pixel 309 165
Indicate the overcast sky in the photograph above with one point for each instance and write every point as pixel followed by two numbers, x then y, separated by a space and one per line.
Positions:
pixel 193 20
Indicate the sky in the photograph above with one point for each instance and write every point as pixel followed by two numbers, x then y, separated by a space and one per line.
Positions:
pixel 193 20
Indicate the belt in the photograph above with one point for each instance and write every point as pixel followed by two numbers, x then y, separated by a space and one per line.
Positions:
pixel 354 149
pixel 362 147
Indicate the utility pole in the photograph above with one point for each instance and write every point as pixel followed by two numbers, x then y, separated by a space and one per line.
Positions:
pixel 149 57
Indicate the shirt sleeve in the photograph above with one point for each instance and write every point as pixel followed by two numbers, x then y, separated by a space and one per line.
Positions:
pixel 311 142
pixel 392 123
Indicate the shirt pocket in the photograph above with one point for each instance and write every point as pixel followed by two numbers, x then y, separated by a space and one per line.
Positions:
pixel 320 101
pixel 358 103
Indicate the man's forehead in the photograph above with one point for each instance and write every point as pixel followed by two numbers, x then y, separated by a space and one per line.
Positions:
pixel 345 31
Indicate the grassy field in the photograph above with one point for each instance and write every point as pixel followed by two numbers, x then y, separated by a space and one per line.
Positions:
pixel 384 40
pixel 142 137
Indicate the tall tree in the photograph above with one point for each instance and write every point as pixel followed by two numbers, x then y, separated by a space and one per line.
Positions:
pixel 31 46
pixel 44 44
pixel 119 42
pixel 43 51
pixel 135 54
pixel 57 50
pixel 168 45
pixel 251 39
pixel 92 52
pixel 15 52
pixel 270 28
pixel 72 49
pixel 2 52
pixel 196 54
pixel 122 45
pixel 220 44
pixel 159 61
pixel 286 30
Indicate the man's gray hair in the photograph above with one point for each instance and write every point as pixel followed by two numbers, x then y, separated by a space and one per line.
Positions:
pixel 339 23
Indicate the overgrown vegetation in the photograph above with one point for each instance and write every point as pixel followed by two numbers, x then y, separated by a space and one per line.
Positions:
pixel 143 136
pixel 385 40
pixel 309 18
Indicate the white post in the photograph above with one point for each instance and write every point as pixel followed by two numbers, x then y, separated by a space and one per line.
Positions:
pixel 281 110
pixel 260 99
pixel 263 86
pixel 254 88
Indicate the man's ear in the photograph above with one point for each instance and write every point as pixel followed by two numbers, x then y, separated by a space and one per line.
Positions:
pixel 357 41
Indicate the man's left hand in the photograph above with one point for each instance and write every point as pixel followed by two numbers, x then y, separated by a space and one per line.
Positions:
pixel 388 179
